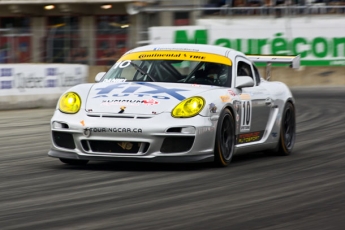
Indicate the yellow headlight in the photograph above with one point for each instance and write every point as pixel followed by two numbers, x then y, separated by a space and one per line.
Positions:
pixel 189 107
pixel 70 103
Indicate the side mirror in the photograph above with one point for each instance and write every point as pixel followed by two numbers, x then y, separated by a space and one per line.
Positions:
pixel 99 76
pixel 244 81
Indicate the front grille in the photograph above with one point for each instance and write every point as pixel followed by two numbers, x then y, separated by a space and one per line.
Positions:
pixel 85 145
pixel 177 144
pixel 63 140
pixel 115 146
pixel 174 130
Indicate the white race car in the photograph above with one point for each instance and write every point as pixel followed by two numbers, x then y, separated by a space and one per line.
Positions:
pixel 176 103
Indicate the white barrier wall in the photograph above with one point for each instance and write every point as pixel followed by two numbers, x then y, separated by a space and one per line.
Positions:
pixel 37 85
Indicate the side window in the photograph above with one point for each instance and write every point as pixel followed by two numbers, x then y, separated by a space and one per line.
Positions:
pixel 257 75
pixel 244 69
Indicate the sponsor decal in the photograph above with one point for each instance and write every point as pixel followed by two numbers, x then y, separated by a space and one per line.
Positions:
pixel 176 55
pixel 213 108
pixel 246 115
pixel 121 102
pixel 150 102
pixel 274 134
pixel 187 56
pixel 87 132
pixel 157 92
pixel 115 80
pixel 249 137
pixel 232 93
pixel 114 130
pixel 245 96
pixel 160 55
pixel 82 122
pixel 154 112
pixel 129 102
pixel 225 98
pixel 122 109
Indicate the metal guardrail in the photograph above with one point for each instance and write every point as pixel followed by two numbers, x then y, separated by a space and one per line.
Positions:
pixel 257 10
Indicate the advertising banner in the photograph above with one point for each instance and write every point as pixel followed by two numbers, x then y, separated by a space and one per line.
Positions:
pixel 25 86
pixel 319 41
pixel 28 79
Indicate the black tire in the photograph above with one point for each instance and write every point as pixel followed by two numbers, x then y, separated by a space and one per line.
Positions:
pixel 225 139
pixel 287 134
pixel 73 162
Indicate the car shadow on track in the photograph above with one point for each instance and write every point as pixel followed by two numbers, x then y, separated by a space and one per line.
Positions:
pixel 237 161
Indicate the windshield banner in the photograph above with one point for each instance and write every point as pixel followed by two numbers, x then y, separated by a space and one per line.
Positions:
pixel 177 55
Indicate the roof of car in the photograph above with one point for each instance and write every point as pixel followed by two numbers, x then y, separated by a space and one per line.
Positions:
pixel 189 47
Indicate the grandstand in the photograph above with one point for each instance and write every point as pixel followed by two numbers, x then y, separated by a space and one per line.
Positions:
pixel 98 32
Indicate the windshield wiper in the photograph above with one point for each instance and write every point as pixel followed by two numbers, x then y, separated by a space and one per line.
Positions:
pixel 142 71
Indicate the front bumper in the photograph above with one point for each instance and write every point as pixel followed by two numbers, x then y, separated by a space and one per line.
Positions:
pixel 154 138
pixel 160 159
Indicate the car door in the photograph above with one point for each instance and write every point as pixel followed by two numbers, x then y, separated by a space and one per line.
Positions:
pixel 253 103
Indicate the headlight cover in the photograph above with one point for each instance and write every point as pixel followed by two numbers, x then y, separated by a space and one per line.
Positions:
pixel 70 103
pixel 188 107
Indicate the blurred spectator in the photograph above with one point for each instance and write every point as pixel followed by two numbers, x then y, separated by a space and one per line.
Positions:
pixel 83 56
pixel 109 56
pixel 214 3
pixel 3 54
pixel 335 3
pixel 79 55
pixel 278 4
pixel 255 3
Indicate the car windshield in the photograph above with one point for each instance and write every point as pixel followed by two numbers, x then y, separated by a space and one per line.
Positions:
pixel 177 71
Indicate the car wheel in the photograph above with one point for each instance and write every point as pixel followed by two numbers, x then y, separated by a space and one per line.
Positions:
pixel 225 139
pixel 73 162
pixel 287 135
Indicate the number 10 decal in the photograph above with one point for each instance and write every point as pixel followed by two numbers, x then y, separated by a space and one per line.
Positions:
pixel 246 115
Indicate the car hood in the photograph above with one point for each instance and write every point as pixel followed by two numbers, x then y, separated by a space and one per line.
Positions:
pixel 139 97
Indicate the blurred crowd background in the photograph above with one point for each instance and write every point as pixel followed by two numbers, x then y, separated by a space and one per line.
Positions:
pixel 97 33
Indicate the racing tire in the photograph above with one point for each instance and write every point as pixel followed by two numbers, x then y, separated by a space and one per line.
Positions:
pixel 287 135
pixel 225 139
pixel 73 162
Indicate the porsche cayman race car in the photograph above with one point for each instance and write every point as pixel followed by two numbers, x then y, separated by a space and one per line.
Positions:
pixel 176 103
